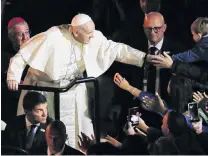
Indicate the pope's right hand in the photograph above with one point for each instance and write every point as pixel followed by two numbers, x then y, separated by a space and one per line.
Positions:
pixel 12 85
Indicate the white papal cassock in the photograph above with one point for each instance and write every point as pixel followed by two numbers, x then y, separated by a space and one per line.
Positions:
pixel 55 57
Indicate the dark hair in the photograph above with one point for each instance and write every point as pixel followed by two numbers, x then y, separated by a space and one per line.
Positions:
pixel 180 92
pixel 132 142
pixel 57 127
pixel 164 146
pixel 31 99
pixel 177 124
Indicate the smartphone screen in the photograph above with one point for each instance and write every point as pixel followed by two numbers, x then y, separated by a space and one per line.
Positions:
pixel 194 114
pixel 134 115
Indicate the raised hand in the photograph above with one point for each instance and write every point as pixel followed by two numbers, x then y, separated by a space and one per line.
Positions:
pixel 121 82
pixel 12 85
pixel 85 142
pixel 163 61
pixel 113 141
pixel 197 96
pixel 129 129
pixel 155 104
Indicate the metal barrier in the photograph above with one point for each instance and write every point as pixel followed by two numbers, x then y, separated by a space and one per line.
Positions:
pixel 57 92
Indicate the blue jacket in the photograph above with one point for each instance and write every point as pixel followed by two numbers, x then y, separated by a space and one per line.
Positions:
pixel 198 53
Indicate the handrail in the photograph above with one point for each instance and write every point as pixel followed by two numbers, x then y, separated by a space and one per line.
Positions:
pixel 57 92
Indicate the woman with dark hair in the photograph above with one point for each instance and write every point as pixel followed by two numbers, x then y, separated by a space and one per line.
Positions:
pixel 180 91
pixel 181 139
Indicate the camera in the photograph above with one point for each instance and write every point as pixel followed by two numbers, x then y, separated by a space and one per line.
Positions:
pixel 134 115
pixel 193 110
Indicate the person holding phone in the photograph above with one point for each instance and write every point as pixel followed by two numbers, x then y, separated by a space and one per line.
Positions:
pixel 154 102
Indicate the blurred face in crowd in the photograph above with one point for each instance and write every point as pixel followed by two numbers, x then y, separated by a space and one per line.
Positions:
pixel 154 27
pixel 164 127
pixel 148 6
pixel 55 140
pixel 38 114
pixel 20 34
pixel 168 88
pixel 206 108
pixel 84 33
pixel 196 36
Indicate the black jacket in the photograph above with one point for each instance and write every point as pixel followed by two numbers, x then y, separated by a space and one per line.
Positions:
pixel 165 74
pixel 67 151
pixel 186 143
pixel 15 134
pixel 192 71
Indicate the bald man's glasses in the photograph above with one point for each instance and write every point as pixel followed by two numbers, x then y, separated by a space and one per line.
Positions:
pixel 155 29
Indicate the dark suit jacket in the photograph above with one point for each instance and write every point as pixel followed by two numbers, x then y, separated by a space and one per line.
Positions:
pixel 8 96
pixel 67 151
pixel 71 151
pixel 168 45
pixel 15 134
pixel 186 143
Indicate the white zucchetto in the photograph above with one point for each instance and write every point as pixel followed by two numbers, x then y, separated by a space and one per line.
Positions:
pixel 80 19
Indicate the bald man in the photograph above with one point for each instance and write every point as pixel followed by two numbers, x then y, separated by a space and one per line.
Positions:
pixel 63 53
pixel 155 28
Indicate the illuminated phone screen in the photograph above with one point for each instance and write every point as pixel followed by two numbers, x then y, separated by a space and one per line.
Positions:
pixel 193 109
pixel 134 115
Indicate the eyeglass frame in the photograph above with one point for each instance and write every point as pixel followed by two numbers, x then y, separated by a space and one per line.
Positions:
pixel 155 29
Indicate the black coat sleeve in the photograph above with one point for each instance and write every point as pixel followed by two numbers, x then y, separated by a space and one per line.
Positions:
pixel 192 71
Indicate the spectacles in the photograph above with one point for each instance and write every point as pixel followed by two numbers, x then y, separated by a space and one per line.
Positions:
pixel 20 34
pixel 155 29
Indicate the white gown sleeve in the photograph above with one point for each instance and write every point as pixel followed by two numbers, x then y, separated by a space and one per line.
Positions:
pixel 122 52
pixel 129 55
pixel 16 67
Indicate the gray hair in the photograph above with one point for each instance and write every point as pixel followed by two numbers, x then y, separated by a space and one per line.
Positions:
pixel 200 25
pixel 11 31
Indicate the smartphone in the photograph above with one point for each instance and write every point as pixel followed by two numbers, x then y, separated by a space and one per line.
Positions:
pixel 134 115
pixel 193 110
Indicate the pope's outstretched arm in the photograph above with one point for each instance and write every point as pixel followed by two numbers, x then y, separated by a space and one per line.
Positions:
pixel 123 53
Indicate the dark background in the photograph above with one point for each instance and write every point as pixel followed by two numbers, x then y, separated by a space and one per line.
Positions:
pixel 43 14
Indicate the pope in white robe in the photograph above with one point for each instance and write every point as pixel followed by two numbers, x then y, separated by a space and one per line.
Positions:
pixel 62 53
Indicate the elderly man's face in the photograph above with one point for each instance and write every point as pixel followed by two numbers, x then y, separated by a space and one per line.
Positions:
pixel 21 34
pixel 154 28
pixel 55 141
pixel 86 33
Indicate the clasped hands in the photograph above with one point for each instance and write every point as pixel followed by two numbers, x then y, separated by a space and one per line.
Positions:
pixel 162 60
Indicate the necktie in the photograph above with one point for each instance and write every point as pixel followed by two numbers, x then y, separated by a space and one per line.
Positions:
pixel 147 70
pixel 31 136
pixel 154 74
pixel 153 50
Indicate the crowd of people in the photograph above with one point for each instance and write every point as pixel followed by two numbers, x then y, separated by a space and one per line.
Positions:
pixel 170 77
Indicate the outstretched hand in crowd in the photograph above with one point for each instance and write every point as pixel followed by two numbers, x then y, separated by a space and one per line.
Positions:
pixel 197 96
